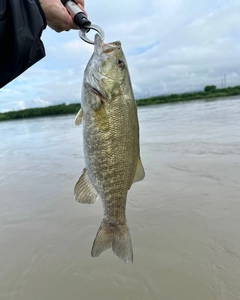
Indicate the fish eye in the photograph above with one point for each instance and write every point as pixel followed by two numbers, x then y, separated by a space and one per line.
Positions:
pixel 121 63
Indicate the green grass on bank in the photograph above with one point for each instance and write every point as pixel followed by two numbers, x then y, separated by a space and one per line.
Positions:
pixel 63 109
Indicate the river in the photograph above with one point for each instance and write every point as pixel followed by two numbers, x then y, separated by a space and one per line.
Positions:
pixel 184 217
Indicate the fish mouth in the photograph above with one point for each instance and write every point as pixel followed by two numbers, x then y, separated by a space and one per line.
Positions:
pixel 97 92
pixel 100 46
pixel 98 41
pixel 96 87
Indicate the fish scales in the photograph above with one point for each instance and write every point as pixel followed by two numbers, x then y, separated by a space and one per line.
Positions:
pixel 111 145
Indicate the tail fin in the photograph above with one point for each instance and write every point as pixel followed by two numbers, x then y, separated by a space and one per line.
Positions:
pixel 116 237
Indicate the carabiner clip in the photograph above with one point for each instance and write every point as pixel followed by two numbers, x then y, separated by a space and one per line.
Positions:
pixel 85 29
pixel 81 20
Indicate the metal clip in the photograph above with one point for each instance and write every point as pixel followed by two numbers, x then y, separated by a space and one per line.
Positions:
pixel 82 33
pixel 81 20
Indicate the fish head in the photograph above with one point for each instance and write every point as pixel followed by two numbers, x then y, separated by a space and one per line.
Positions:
pixel 111 59
pixel 107 68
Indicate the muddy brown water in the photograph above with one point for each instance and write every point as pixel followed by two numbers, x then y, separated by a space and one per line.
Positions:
pixel 184 218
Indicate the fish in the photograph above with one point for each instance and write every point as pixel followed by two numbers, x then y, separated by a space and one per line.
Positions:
pixel 111 145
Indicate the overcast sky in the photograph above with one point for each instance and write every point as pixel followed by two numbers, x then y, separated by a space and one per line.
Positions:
pixel 171 46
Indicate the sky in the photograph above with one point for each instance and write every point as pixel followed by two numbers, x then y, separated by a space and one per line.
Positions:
pixel 172 46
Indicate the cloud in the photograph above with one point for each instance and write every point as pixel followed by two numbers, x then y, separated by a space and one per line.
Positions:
pixel 171 47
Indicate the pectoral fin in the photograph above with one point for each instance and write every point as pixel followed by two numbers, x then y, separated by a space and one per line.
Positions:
pixel 101 119
pixel 79 117
pixel 84 192
pixel 140 173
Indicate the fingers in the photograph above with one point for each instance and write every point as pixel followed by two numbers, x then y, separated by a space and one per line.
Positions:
pixel 57 15
pixel 71 23
pixel 81 2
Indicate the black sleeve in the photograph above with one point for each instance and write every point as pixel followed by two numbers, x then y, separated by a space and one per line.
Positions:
pixel 21 26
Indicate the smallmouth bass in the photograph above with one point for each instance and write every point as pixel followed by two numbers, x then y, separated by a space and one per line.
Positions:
pixel 111 145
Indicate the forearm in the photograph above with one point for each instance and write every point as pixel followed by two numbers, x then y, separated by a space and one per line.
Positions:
pixel 21 26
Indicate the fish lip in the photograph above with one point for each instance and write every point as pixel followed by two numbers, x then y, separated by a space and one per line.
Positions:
pixel 95 87
pixel 97 39
pixel 98 42
pixel 116 44
pixel 100 46
pixel 97 92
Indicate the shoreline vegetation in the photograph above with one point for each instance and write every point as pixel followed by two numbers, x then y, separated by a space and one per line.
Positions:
pixel 62 109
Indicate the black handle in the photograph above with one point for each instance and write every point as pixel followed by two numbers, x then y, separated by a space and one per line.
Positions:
pixel 77 14
pixel 81 20
pixel 64 2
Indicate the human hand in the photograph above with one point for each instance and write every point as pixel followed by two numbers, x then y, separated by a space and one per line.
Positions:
pixel 57 16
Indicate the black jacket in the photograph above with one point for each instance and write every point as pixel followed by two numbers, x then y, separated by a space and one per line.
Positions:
pixel 21 26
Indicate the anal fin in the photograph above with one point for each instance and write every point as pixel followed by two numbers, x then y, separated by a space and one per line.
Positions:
pixel 84 192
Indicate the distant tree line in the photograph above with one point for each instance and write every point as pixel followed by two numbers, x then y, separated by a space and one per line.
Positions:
pixel 54 110
pixel 210 91
pixel 210 88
